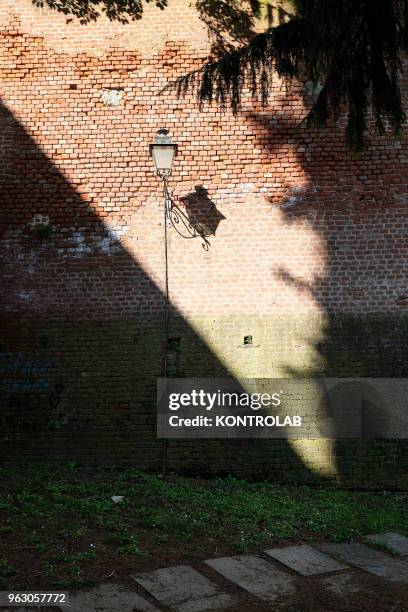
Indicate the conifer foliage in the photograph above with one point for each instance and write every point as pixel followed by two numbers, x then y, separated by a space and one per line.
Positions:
pixel 353 48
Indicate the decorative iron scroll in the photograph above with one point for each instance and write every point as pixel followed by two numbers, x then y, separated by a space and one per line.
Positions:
pixel 180 221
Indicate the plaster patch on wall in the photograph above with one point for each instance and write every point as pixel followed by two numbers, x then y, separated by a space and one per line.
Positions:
pixel 227 194
pixel 81 248
pixel 107 245
pixel 247 186
pixel 116 233
pixel 86 245
pixel 26 296
pixel 111 242
pixel 11 237
pixel 295 198
pixel 401 198
pixel 112 97
pixel 39 219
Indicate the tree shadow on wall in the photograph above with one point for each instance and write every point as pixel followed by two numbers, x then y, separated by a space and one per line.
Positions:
pixel 233 23
pixel 353 211
pixel 229 22
pixel 82 333
pixel 90 10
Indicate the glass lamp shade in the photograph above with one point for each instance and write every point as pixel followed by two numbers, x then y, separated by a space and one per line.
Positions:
pixel 163 151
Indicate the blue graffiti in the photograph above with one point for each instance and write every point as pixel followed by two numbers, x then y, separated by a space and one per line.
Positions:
pixel 21 373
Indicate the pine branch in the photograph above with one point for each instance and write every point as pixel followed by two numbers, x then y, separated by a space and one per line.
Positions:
pixel 352 47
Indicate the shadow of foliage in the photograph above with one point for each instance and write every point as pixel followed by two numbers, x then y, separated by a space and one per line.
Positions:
pixel 350 52
pixel 90 10
pixel 228 22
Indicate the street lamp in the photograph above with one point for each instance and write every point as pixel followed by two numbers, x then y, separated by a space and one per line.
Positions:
pixel 163 150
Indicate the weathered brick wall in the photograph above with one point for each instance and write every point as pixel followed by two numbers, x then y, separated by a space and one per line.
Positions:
pixel 308 254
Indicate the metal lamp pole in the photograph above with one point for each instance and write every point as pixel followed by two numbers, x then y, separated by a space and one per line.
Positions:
pixel 163 151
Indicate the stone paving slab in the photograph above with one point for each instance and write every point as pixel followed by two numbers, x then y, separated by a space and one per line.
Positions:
pixel 305 560
pixel 108 598
pixel 371 560
pixel 184 589
pixel 255 575
pixel 394 541
pixel 344 584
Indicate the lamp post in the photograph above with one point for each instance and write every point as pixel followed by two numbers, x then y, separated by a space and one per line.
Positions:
pixel 163 150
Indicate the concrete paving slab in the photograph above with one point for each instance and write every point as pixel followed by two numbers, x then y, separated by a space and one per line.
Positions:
pixel 343 584
pixel 255 575
pixel 373 561
pixel 217 603
pixel 305 560
pixel 108 598
pixel 394 541
pixel 184 589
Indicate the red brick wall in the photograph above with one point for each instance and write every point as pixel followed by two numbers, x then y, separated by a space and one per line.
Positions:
pixel 306 230
pixel 318 228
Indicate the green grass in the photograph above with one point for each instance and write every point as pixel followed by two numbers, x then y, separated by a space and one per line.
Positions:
pixel 63 517
pixel 6 571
